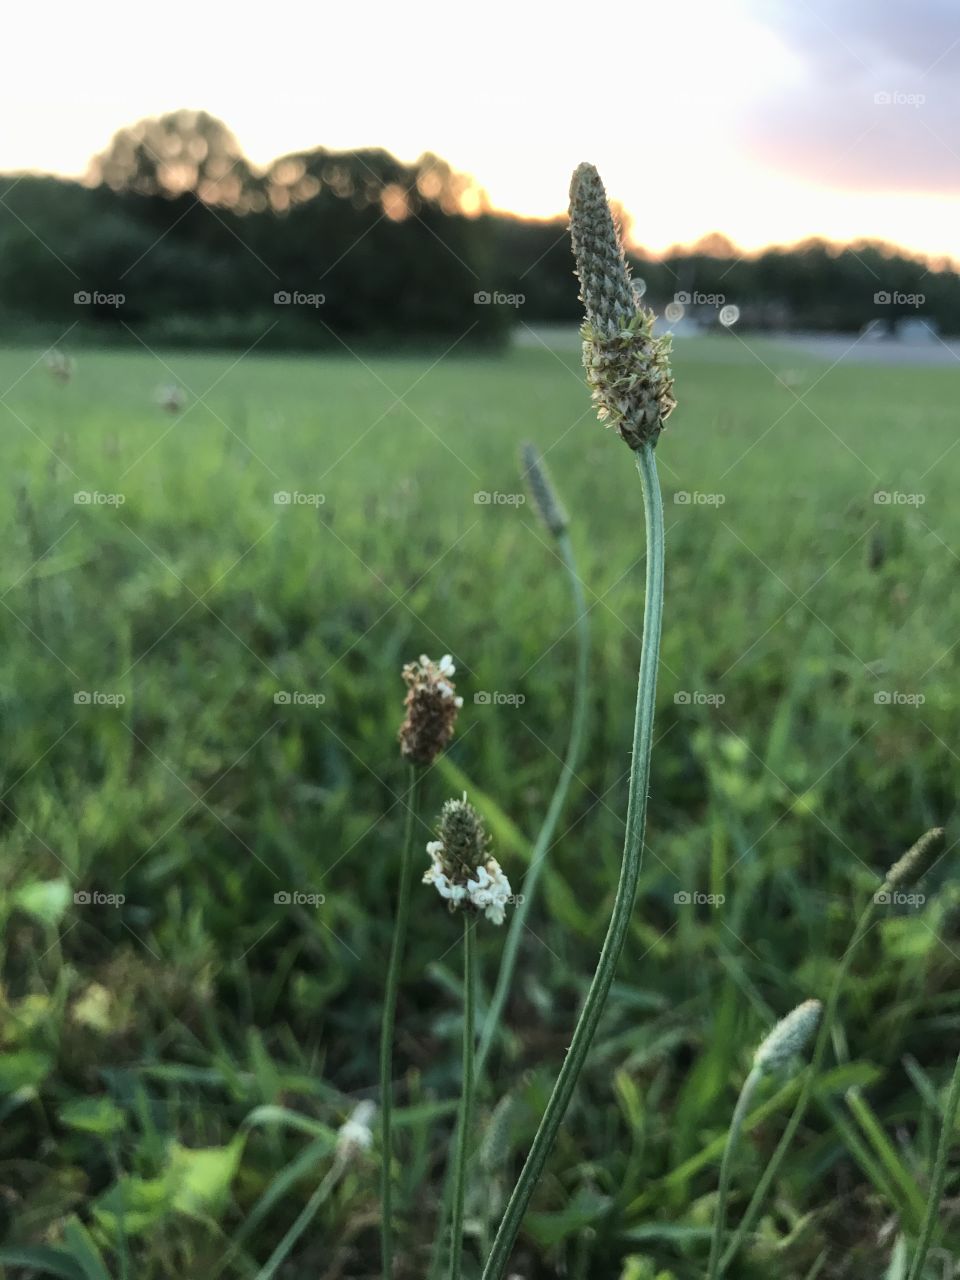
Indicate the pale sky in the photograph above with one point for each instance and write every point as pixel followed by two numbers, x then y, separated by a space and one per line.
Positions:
pixel 755 118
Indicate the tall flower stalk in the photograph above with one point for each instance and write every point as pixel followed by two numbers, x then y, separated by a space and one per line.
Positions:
pixel 905 872
pixel 628 371
pixel 787 1038
pixel 555 519
pixel 431 715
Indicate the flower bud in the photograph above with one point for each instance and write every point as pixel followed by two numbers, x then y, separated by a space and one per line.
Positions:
pixel 789 1036
pixel 432 705
pixel 627 366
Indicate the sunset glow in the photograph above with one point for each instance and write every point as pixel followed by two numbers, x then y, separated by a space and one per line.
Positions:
pixel 742 118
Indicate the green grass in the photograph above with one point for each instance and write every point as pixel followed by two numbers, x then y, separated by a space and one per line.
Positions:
pixel 134 1036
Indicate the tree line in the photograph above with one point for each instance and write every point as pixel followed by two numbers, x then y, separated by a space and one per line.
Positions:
pixel 175 236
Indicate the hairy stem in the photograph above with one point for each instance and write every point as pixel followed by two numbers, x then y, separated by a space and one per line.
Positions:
pixel 806 1090
pixel 939 1176
pixel 466 1091
pixel 389 1014
pixel 626 889
pixel 726 1164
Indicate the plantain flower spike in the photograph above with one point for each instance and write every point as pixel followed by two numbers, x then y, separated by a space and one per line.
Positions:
pixel 917 861
pixel 431 706
pixel 462 869
pixel 788 1037
pixel 627 366
pixel 541 488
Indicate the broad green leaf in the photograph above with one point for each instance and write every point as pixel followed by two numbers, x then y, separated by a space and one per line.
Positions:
pixel 26 1069
pixel 45 900
pixel 101 1116
pixel 200 1177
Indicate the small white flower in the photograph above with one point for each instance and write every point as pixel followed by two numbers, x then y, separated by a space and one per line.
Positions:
pixel 355 1135
pixel 490 892
pixel 446 666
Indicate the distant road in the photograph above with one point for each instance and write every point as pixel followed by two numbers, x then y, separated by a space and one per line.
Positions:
pixel 845 348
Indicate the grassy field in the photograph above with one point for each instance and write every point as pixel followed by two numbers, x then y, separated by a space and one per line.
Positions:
pixel 169 1059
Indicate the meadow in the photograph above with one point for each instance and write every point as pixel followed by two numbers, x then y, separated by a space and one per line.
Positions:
pixel 201 693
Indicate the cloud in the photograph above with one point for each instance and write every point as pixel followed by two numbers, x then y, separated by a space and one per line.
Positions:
pixel 874 104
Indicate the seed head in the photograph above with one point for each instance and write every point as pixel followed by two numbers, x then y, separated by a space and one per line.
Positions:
pixel 355 1135
pixel 789 1036
pixel 544 495
pixel 432 705
pixel 627 366
pixel 462 869
pixel 917 861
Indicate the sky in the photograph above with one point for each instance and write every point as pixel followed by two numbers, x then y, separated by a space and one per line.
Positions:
pixel 766 121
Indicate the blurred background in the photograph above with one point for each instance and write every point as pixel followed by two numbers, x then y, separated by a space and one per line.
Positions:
pixel 279 300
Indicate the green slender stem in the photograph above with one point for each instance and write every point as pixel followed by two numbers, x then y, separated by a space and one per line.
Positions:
pixel 304 1218
pixel 726 1164
pixel 466 1090
pixel 626 889
pixel 389 1015
pixel 939 1176
pixel 538 858
pixel 806 1090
